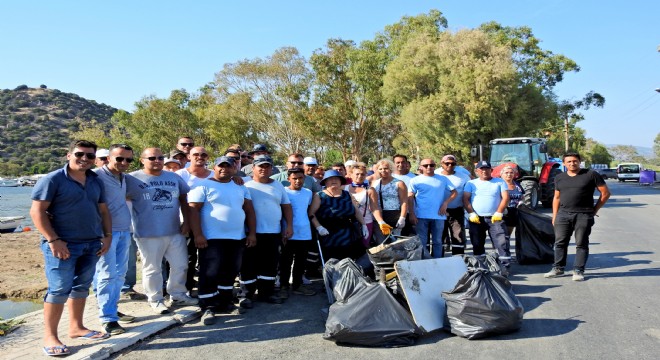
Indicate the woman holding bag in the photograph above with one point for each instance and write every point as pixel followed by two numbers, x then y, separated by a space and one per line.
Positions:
pixel 388 198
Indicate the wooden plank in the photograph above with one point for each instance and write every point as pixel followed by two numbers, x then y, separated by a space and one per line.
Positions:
pixel 423 282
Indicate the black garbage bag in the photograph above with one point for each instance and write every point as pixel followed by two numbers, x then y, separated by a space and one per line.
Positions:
pixel 535 238
pixel 370 316
pixel 389 252
pixel 342 278
pixel 483 304
pixel 489 262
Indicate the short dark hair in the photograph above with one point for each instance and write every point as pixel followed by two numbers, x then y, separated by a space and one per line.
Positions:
pixel 82 143
pixel 294 171
pixel 338 164
pixel 297 155
pixel 571 154
pixel 122 146
pixel 230 150
pixel 405 158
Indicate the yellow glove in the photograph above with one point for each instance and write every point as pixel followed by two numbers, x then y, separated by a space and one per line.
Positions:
pixel 496 217
pixel 384 228
pixel 474 218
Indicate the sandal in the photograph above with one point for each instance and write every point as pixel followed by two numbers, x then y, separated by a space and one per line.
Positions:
pixel 94 335
pixel 57 350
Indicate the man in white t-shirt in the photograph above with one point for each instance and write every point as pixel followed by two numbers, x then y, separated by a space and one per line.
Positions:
pixel 271 205
pixel 427 203
pixel 219 209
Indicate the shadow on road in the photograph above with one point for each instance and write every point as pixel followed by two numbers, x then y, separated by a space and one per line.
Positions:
pixel 600 261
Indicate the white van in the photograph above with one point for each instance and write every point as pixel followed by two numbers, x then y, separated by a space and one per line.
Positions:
pixel 628 171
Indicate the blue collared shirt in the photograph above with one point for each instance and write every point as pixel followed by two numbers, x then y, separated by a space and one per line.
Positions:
pixel 74 208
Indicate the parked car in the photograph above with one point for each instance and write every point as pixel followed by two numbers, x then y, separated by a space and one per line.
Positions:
pixel 628 171
pixel 607 173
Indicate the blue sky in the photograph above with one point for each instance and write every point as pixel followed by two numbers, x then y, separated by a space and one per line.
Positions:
pixel 116 52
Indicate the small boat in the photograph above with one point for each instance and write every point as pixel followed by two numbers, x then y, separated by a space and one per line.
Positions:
pixel 10 183
pixel 10 223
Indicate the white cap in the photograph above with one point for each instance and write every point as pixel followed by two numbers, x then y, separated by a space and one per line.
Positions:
pixel 102 153
pixel 171 160
pixel 310 161
pixel 350 163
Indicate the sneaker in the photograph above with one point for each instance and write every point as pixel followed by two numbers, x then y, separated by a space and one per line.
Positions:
pixel 304 290
pixel 245 303
pixel 113 328
pixel 306 281
pixel 578 275
pixel 159 308
pixel 208 318
pixel 185 301
pixel 273 299
pixel 284 292
pixel 125 318
pixel 555 272
pixel 230 309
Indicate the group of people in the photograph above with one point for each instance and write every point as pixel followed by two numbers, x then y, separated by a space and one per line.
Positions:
pixel 238 216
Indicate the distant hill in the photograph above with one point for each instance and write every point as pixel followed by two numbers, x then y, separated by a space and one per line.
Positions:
pixel 35 125
pixel 644 151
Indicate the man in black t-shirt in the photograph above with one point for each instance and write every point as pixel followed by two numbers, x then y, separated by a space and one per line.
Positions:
pixel 573 211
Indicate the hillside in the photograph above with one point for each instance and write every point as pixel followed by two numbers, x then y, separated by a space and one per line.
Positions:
pixel 35 127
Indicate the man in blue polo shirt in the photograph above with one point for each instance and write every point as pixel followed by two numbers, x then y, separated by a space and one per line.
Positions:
pixel 70 212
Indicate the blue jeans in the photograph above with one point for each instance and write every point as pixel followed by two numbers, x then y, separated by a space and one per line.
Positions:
pixel 110 275
pixel 131 273
pixel 72 277
pixel 435 228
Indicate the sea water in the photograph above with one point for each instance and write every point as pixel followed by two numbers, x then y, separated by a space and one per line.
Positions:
pixel 15 201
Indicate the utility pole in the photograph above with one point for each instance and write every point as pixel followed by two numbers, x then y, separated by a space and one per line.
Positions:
pixel 566 134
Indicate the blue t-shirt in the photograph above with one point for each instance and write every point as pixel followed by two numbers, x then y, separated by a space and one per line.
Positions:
pixel 300 201
pixel 458 180
pixel 267 200
pixel 485 196
pixel 222 214
pixel 115 193
pixel 74 208
pixel 430 192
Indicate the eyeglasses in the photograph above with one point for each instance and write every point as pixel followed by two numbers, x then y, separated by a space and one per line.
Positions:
pixel 428 165
pixel 103 158
pixel 450 164
pixel 154 158
pixel 187 144
pixel 122 159
pixel 80 154
pixel 202 155
pixel 295 162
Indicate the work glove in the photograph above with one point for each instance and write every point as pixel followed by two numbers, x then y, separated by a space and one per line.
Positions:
pixel 322 231
pixel 496 217
pixel 474 218
pixel 401 222
pixel 384 228
pixel 365 231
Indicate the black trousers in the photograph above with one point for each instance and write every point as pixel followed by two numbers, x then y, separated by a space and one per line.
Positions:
pixel 566 224
pixel 455 230
pixel 259 267
pixel 219 264
pixel 294 252
pixel 192 263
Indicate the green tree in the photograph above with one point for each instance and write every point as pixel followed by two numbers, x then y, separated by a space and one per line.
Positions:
pixel 597 153
pixel 624 153
pixel 656 149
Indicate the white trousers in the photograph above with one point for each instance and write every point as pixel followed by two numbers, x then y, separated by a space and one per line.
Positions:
pixel 153 250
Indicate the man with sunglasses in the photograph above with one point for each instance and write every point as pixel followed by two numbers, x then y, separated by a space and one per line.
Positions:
pixel 112 266
pixel 428 197
pixel 257 150
pixel 158 196
pixel 454 232
pixel 185 144
pixel 295 161
pixel 193 175
pixel 70 211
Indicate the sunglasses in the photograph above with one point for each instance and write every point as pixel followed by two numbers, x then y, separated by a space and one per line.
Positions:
pixel 202 155
pixel 246 156
pixel 80 154
pixel 235 157
pixel 154 158
pixel 187 144
pixel 295 162
pixel 428 165
pixel 450 164
pixel 122 159
pixel 103 158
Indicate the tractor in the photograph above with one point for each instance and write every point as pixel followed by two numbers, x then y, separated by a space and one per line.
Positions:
pixel 535 172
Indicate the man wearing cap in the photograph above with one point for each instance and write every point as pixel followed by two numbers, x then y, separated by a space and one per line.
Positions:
pixel 296 161
pixel 258 149
pixel 112 266
pixel 158 196
pixel 454 232
pixel 427 203
pixel 101 158
pixel 219 211
pixel 171 165
pixel 485 199
pixel 271 205
pixel 180 156
pixel 236 155
pixel 309 166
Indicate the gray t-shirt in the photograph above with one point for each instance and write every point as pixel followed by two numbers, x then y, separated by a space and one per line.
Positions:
pixel 156 202
pixel 115 196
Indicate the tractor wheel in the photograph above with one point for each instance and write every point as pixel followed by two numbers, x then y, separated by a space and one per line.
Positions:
pixel 549 189
pixel 531 196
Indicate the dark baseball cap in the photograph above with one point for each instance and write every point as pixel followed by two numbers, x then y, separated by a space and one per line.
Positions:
pixel 224 159
pixel 262 159
pixel 483 165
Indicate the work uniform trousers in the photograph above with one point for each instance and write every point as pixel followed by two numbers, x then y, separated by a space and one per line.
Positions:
pixel 497 231
pixel 455 230
pixel 259 267
pixel 294 252
pixel 567 223
pixel 219 263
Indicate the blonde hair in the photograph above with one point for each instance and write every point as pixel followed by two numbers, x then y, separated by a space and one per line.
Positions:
pixel 387 162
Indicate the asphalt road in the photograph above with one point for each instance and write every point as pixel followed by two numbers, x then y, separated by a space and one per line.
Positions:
pixel 612 315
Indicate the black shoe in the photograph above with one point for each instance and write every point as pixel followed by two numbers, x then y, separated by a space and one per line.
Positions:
pixel 125 318
pixel 113 328
pixel 273 299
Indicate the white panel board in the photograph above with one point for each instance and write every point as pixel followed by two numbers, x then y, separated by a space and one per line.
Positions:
pixel 423 282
